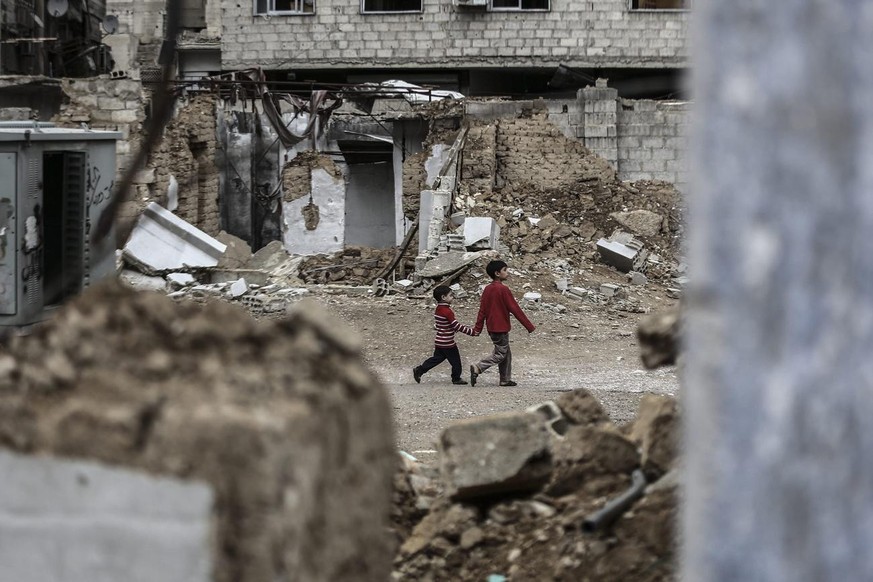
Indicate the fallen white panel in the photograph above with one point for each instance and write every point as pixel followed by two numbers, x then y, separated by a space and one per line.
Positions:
pixel 479 228
pixel 162 241
pixel 70 521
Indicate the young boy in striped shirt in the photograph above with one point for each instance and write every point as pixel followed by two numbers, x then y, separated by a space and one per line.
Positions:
pixel 444 347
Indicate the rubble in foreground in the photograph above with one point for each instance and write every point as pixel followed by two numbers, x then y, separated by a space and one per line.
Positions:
pixel 533 512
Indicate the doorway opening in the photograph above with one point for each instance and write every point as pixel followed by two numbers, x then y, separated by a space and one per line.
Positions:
pixel 370 212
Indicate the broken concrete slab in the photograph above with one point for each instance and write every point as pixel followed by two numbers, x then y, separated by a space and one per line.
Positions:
pixel 176 281
pixel 451 262
pixel 141 282
pixel 493 455
pixel 93 522
pixel 237 253
pixel 610 289
pixel 268 258
pixel 161 241
pixel 229 275
pixel 641 222
pixel 481 228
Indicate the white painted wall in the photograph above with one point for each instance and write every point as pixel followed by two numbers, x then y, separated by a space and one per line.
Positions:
pixel 329 194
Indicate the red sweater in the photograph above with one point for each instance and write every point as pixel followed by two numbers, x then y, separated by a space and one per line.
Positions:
pixel 446 325
pixel 494 308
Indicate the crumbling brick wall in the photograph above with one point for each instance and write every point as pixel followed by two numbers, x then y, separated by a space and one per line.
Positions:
pixel 187 152
pixel 414 181
pixel 533 154
pixel 479 164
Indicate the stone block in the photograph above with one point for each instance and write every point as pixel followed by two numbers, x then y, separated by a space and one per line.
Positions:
pixel 91 522
pixel 480 228
pixel 495 455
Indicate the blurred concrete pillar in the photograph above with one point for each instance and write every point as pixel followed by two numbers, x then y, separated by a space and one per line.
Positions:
pixel 779 379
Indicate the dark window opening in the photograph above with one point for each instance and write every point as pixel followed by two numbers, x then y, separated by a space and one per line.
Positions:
pixel 520 4
pixel 391 6
pixel 280 7
pixel 660 4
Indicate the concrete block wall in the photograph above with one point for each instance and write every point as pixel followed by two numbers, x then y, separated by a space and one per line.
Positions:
pixel 580 33
pixel 599 118
pixel 641 139
pixel 652 141
pixel 102 103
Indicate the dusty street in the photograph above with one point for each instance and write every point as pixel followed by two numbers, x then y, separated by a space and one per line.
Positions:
pixel 584 347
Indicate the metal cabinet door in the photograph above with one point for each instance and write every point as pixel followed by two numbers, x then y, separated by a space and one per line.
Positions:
pixel 8 250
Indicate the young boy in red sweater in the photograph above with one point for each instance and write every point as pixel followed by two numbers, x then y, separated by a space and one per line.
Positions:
pixel 444 347
pixel 494 308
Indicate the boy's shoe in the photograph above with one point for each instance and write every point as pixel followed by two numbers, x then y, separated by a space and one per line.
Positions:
pixel 473 374
pixel 508 383
pixel 417 375
pixel 459 382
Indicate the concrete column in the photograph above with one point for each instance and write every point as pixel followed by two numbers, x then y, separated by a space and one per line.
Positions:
pixel 779 338
pixel 599 130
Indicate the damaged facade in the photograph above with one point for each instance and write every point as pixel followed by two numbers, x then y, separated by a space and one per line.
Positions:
pixel 366 175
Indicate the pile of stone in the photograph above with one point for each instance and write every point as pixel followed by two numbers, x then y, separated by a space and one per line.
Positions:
pixel 353 266
pixel 257 414
pixel 554 493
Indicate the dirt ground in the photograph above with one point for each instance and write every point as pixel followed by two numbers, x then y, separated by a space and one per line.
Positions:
pixel 587 346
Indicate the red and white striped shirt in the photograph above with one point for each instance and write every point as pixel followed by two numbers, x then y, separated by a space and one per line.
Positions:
pixel 446 325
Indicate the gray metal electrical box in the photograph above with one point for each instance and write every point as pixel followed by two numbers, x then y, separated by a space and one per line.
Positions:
pixel 54 183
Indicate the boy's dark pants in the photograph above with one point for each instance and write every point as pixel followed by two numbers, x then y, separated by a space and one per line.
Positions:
pixel 439 354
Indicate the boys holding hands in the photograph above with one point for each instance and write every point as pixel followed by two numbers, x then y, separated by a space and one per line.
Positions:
pixel 446 325
pixel 494 308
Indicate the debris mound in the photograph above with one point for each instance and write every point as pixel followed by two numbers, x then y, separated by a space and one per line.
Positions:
pixel 550 533
pixel 280 417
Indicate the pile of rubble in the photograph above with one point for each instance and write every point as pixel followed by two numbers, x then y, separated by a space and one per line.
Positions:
pixel 554 493
pixel 352 266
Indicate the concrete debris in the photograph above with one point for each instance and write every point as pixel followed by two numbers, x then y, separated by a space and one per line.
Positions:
pixel 403 285
pixel 673 293
pixel 562 284
pixel 161 242
pixel 610 290
pixel 238 288
pixel 230 275
pixel 141 282
pixel 451 242
pixel 481 233
pixel 451 262
pixel 533 296
pixel 635 278
pixel 237 253
pixel 176 281
pixel 497 454
pixel 269 257
pixel 537 534
pixel 458 291
pixel 642 222
pixel 623 252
